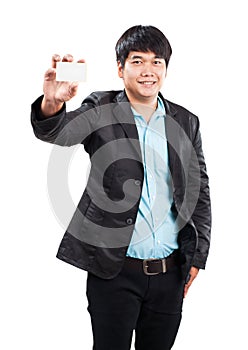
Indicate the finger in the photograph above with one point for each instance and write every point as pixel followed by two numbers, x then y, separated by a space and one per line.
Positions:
pixel 81 60
pixel 189 283
pixel 50 74
pixel 55 58
pixel 67 58
pixel 186 288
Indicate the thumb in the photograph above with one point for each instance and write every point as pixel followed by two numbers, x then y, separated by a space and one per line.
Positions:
pixel 73 89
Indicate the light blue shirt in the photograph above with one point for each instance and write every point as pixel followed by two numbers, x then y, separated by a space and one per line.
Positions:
pixel 155 231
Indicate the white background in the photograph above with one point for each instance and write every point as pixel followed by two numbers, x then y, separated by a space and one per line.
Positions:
pixel 43 302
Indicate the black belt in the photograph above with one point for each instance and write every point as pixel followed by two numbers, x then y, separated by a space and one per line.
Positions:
pixel 153 266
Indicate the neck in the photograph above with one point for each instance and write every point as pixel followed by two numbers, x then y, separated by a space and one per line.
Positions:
pixel 145 108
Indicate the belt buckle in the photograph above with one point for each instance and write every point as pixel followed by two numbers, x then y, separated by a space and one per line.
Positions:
pixel 145 266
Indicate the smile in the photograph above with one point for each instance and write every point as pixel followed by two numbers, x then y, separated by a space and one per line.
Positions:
pixel 147 82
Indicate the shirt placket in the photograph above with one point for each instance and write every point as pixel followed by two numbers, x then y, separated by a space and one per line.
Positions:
pixel 151 183
pixel 143 130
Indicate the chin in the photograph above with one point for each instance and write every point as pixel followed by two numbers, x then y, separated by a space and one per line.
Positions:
pixel 149 94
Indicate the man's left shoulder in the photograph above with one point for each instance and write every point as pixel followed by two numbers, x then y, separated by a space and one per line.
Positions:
pixel 178 110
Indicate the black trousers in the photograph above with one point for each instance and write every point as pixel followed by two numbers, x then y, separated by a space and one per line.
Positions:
pixel 150 305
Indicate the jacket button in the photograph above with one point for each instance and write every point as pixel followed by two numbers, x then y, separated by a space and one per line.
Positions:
pixel 129 221
pixel 137 182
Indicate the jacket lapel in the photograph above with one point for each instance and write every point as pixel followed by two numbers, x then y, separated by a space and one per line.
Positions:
pixel 123 113
pixel 172 133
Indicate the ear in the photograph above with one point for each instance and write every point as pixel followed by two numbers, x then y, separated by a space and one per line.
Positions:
pixel 120 69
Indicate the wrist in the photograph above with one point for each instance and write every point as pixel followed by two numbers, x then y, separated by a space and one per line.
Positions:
pixel 50 107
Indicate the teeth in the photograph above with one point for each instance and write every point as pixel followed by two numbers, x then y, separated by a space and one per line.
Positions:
pixel 147 82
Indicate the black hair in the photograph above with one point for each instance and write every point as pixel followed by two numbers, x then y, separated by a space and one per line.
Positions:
pixel 143 39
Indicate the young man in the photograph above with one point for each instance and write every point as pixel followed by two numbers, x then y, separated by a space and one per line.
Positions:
pixel 142 226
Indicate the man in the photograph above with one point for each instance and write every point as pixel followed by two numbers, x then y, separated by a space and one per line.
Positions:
pixel 142 226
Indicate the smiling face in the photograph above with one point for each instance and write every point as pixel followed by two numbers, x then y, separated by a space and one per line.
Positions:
pixel 143 75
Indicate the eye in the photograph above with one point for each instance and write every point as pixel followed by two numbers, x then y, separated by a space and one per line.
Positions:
pixel 137 62
pixel 157 62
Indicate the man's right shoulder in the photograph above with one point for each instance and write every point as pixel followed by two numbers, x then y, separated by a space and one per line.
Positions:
pixel 104 97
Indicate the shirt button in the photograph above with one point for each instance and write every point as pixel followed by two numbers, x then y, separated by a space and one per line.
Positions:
pixel 129 221
pixel 137 182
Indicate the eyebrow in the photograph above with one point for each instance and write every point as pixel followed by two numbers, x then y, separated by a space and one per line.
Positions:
pixel 135 56
pixel 140 57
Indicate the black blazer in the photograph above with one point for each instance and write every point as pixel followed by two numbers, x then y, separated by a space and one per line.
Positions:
pixel 100 230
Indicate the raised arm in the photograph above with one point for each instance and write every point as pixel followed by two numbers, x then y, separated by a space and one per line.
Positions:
pixel 56 92
pixel 50 120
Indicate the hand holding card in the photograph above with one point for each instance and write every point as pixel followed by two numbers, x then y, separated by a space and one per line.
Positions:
pixel 61 83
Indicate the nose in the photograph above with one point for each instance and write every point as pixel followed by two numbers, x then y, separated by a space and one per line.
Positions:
pixel 147 71
pixel 147 74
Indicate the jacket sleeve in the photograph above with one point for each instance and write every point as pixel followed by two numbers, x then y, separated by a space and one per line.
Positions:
pixel 201 216
pixel 66 128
